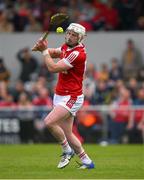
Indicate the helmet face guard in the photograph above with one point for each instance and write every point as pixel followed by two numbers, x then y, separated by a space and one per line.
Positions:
pixel 79 29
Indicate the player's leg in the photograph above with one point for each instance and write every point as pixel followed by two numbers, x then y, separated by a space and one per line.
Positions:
pixel 58 114
pixel 52 119
pixel 67 125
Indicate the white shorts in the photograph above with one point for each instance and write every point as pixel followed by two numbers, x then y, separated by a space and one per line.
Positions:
pixel 72 104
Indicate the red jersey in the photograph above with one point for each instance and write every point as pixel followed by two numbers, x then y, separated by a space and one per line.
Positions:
pixel 70 81
pixel 122 111
pixel 139 113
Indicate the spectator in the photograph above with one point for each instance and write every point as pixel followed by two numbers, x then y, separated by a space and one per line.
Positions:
pixel 115 88
pixel 3 90
pixel 46 20
pixel 44 72
pixel 74 10
pixel 115 72
pixel 29 64
pixel 4 72
pixel 5 25
pixel 131 61
pixel 102 93
pixel 111 16
pixel 103 74
pixel 120 115
pixel 36 87
pixel 26 116
pixel 99 19
pixel 36 8
pixel 133 87
pixel 140 76
pixel 17 90
pixel 94 14
pixel 140 23
pixel 89 89
pixel 127 12
pixel 24 100
pixel 91 71
pixel 33 25
pixel 43 98
pixel 86 14
pixel 7 101
pixel 22 14
pixel 136 122
pixel 89 83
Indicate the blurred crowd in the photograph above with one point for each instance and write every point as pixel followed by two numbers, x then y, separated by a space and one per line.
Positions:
pixel 95 15
pixel 119 84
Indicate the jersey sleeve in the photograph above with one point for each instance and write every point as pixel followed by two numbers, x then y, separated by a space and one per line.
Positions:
pixel 59 49
pixel 71 58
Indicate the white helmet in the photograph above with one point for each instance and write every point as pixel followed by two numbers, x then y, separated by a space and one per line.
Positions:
pixel 78 28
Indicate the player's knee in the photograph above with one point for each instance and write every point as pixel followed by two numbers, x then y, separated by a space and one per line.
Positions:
pixel 49 124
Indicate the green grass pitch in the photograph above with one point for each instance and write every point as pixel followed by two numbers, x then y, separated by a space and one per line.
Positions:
pixel 40 162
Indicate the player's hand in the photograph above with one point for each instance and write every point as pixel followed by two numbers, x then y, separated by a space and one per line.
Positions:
pixel 40 45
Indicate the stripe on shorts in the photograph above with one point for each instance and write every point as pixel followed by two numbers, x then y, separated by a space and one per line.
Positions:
pixel 71 102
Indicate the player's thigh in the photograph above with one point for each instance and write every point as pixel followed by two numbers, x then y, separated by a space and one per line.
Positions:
pixel 59 113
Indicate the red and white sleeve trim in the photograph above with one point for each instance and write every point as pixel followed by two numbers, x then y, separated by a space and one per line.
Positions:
pixel 67 63
pixel 72 56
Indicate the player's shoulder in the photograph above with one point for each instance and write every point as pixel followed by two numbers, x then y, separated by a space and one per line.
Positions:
pixel 80 48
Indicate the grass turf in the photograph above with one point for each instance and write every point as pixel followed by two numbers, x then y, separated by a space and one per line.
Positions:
pixel 40 161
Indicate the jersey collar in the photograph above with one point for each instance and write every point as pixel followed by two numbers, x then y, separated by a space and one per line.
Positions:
pixel 79 45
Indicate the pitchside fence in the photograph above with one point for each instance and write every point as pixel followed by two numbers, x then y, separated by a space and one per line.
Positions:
pixel 25 125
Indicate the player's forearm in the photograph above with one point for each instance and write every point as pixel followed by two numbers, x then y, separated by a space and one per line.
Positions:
pixel 51 65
